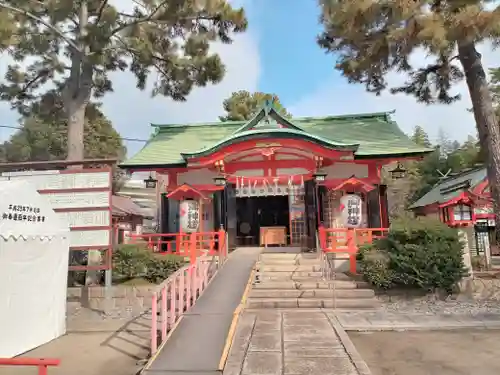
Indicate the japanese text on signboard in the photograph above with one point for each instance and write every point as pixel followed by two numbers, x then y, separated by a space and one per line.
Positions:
pixel 19 212
pixel 193 221
pixel 351 210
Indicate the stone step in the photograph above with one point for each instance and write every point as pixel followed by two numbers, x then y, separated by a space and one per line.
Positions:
pixel 288 275
pixel 298 261
pixel 260 267
pixel 308 284
pixel 312 293
pixel 285 303
pixel 279 256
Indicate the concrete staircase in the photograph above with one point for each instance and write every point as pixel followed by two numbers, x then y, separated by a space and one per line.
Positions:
pixel 295 281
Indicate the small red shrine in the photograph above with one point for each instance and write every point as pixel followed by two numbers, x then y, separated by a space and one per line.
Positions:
pixel 286 176
pixel 463 200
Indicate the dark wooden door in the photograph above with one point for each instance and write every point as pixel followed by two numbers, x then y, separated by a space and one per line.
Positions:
pixel 373 208
pixel 311 213
pixel 231 219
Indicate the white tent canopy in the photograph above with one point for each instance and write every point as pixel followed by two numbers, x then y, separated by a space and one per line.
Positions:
pixel 34 252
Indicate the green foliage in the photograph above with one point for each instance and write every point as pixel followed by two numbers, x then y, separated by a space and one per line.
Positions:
pixel 76 45
pixel 242 105
pixel 375 267
pixel 371 38
pixel 171 37
pixel 420 137
pixel 132 261
pixel 449 157
pixel 162 266
pixel 423 253
pixel 44 134
pixel 129 262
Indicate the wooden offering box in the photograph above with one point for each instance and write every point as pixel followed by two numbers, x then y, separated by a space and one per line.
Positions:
pixel 272 236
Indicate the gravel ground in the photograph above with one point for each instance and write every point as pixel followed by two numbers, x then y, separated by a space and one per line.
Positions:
pixel 464 352
pixel 431 306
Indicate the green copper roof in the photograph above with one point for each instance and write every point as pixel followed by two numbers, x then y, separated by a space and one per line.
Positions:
pixel 375 133
pixel 262 133
pixel 444 191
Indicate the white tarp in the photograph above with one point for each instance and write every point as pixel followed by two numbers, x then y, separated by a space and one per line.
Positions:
pixel 34 251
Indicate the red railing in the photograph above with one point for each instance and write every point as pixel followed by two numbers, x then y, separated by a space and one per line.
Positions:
pixel 347 240
pixel 41 363
pixel 180 291
pixel 175 296
pixel 190 245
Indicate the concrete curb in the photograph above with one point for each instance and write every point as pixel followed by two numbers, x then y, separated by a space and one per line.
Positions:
pixel 234 322
pixel 360 365
pixel 430 327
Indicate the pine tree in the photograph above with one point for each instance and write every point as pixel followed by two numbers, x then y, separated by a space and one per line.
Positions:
pixel 75 45
pixel 43 134
pixel 371 38
pixel 242 105
pixel 420 137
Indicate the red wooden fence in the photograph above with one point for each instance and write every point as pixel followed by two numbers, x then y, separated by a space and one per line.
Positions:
pixel 190 245
pixel 348 240
pixel 41 363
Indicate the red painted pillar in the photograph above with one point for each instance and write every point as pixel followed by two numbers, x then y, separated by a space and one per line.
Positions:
pixel 322 237
pixel 352 250
pixel 192 248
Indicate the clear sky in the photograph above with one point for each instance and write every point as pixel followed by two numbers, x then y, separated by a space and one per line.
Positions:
pixel 277 54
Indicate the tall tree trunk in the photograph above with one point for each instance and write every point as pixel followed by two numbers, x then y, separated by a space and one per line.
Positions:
pixel 76 122
pixel 486 121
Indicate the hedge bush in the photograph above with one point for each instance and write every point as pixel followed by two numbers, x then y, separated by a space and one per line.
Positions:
pixel 160 267
pixel 421 253
pixel 131 261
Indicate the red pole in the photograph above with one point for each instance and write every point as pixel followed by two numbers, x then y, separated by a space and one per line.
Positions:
pixel 42 370
pixel 192 248
pixel 222 243
pixel 154 322
pixel 352 249
pixel 322 237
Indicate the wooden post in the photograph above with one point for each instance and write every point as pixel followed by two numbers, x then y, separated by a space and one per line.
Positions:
pixel 192 248
pixel 322 237
pixel 352 250
pixel 222 244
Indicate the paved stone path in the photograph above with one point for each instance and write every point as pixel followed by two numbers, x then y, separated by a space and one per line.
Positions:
pixel 292 343
pixel 381 320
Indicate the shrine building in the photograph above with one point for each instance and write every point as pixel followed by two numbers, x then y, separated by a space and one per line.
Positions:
pixel 274 180
pixel 463 200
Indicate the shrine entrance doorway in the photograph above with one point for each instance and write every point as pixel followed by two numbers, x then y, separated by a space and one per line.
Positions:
pixel 263 220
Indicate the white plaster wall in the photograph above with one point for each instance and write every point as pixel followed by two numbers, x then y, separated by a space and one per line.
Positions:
pixel 197 177
pixel 252 158
pixel 346 170
pixel 288 157
pixel 291 171
pixel 250 173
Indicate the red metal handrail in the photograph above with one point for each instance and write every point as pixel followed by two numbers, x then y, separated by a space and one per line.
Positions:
pixel 348 240
pixel 41 363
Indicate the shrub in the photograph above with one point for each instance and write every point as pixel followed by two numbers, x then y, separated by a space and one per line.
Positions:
pixel 420 253
pixel 375 267
pixel 129 262
pixel 160 267
pixel 137 261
